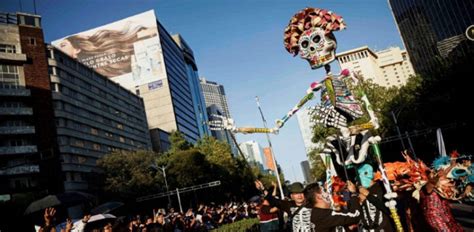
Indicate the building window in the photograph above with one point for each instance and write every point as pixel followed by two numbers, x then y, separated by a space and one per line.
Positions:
pixel 122 139
pixel 120 126
pixel 110 135
pixel 96 146
pixel 78 143
pixel 17 143
pixel 7 48
pixel 94 131
pixel 32 41
pixel 9 76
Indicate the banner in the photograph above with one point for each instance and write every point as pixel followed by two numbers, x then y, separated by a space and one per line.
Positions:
pixel 128 51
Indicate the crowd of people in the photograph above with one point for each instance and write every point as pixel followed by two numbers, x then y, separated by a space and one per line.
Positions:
pixel 423 200
pixel 422 204
pixel 202 218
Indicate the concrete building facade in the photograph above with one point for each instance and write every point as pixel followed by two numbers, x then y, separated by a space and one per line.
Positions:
pixel 154 67
pixel 389 67
pixel 28 151
pixel 94 116
pixel 57 115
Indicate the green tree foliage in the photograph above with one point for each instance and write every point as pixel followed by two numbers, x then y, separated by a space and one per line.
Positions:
pixel 178 142
pixel 188 168
pixel 128 173
pixel 218 153
pixel 318 169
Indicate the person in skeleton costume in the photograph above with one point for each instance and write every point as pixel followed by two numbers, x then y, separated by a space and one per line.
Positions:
pixel 298 214
pixel 323 217
pixel 375 216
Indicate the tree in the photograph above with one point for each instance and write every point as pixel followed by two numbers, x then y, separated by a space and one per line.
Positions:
pixel 217 153
pixel 187 168
pixel 318 169
pixel 128 173
pixel 178 142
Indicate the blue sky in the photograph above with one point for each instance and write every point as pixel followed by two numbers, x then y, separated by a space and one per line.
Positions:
pixel 238 44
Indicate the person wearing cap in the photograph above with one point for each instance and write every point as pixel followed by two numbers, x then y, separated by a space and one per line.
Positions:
pixel 298 215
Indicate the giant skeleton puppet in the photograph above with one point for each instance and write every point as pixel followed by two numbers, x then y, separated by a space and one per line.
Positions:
pixel 309 34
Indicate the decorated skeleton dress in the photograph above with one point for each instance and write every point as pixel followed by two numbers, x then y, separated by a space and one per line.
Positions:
pixel 375 215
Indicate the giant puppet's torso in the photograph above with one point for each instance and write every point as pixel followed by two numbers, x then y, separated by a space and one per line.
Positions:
pixel 336 93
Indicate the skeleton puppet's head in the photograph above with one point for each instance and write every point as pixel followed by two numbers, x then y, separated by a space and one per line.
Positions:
pixel 310 34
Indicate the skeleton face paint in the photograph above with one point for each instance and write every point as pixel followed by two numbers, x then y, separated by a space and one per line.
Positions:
pixel 366 174
pixel 326 197
pixel 317 47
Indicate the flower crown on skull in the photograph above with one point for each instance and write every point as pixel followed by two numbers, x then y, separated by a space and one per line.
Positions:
pixel 309 18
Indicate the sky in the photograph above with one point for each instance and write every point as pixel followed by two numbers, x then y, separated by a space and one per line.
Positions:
pixel 238 44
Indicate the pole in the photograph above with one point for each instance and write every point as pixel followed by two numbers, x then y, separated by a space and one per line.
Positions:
pixel 391 202
pixel 411 145
pixel 179 200
pixel 166 184
pixel 277 173
pixel 398 129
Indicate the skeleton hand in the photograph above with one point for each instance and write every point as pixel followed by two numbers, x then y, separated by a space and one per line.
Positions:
pixel 221 123
pixel 280 123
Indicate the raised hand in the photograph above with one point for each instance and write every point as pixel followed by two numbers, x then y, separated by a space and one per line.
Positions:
pixel 68 225
pixel 49 216
pixel 259 185
pixel 351 187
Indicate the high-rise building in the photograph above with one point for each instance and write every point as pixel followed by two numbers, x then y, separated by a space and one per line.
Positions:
pixel 216 104
pixel 214 94
pixel 139 54
pixel 434 31
pixel 388 67
pixel 57 115
pixel 196 89
pixel 94 116
pixel 305 123
pixel 222 135
pixel 305 167
pixel 28 151
pixel 253 153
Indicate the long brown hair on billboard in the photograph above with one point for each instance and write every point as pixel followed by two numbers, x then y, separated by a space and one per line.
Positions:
pixel 107 51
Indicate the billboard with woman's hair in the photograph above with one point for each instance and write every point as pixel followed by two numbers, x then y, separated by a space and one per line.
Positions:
pixel 127 51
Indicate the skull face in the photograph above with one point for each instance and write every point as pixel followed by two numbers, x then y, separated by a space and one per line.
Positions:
pixel 317 47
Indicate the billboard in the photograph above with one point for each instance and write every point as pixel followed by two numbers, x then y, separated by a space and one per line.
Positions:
pixel 128 51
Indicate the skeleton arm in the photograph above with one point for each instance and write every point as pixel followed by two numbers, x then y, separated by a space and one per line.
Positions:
pixel 309 95
pixel 223 123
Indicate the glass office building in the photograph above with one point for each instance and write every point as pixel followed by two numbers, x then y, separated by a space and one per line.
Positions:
pixel 181 94
pixel 196 90
pixel 434 30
